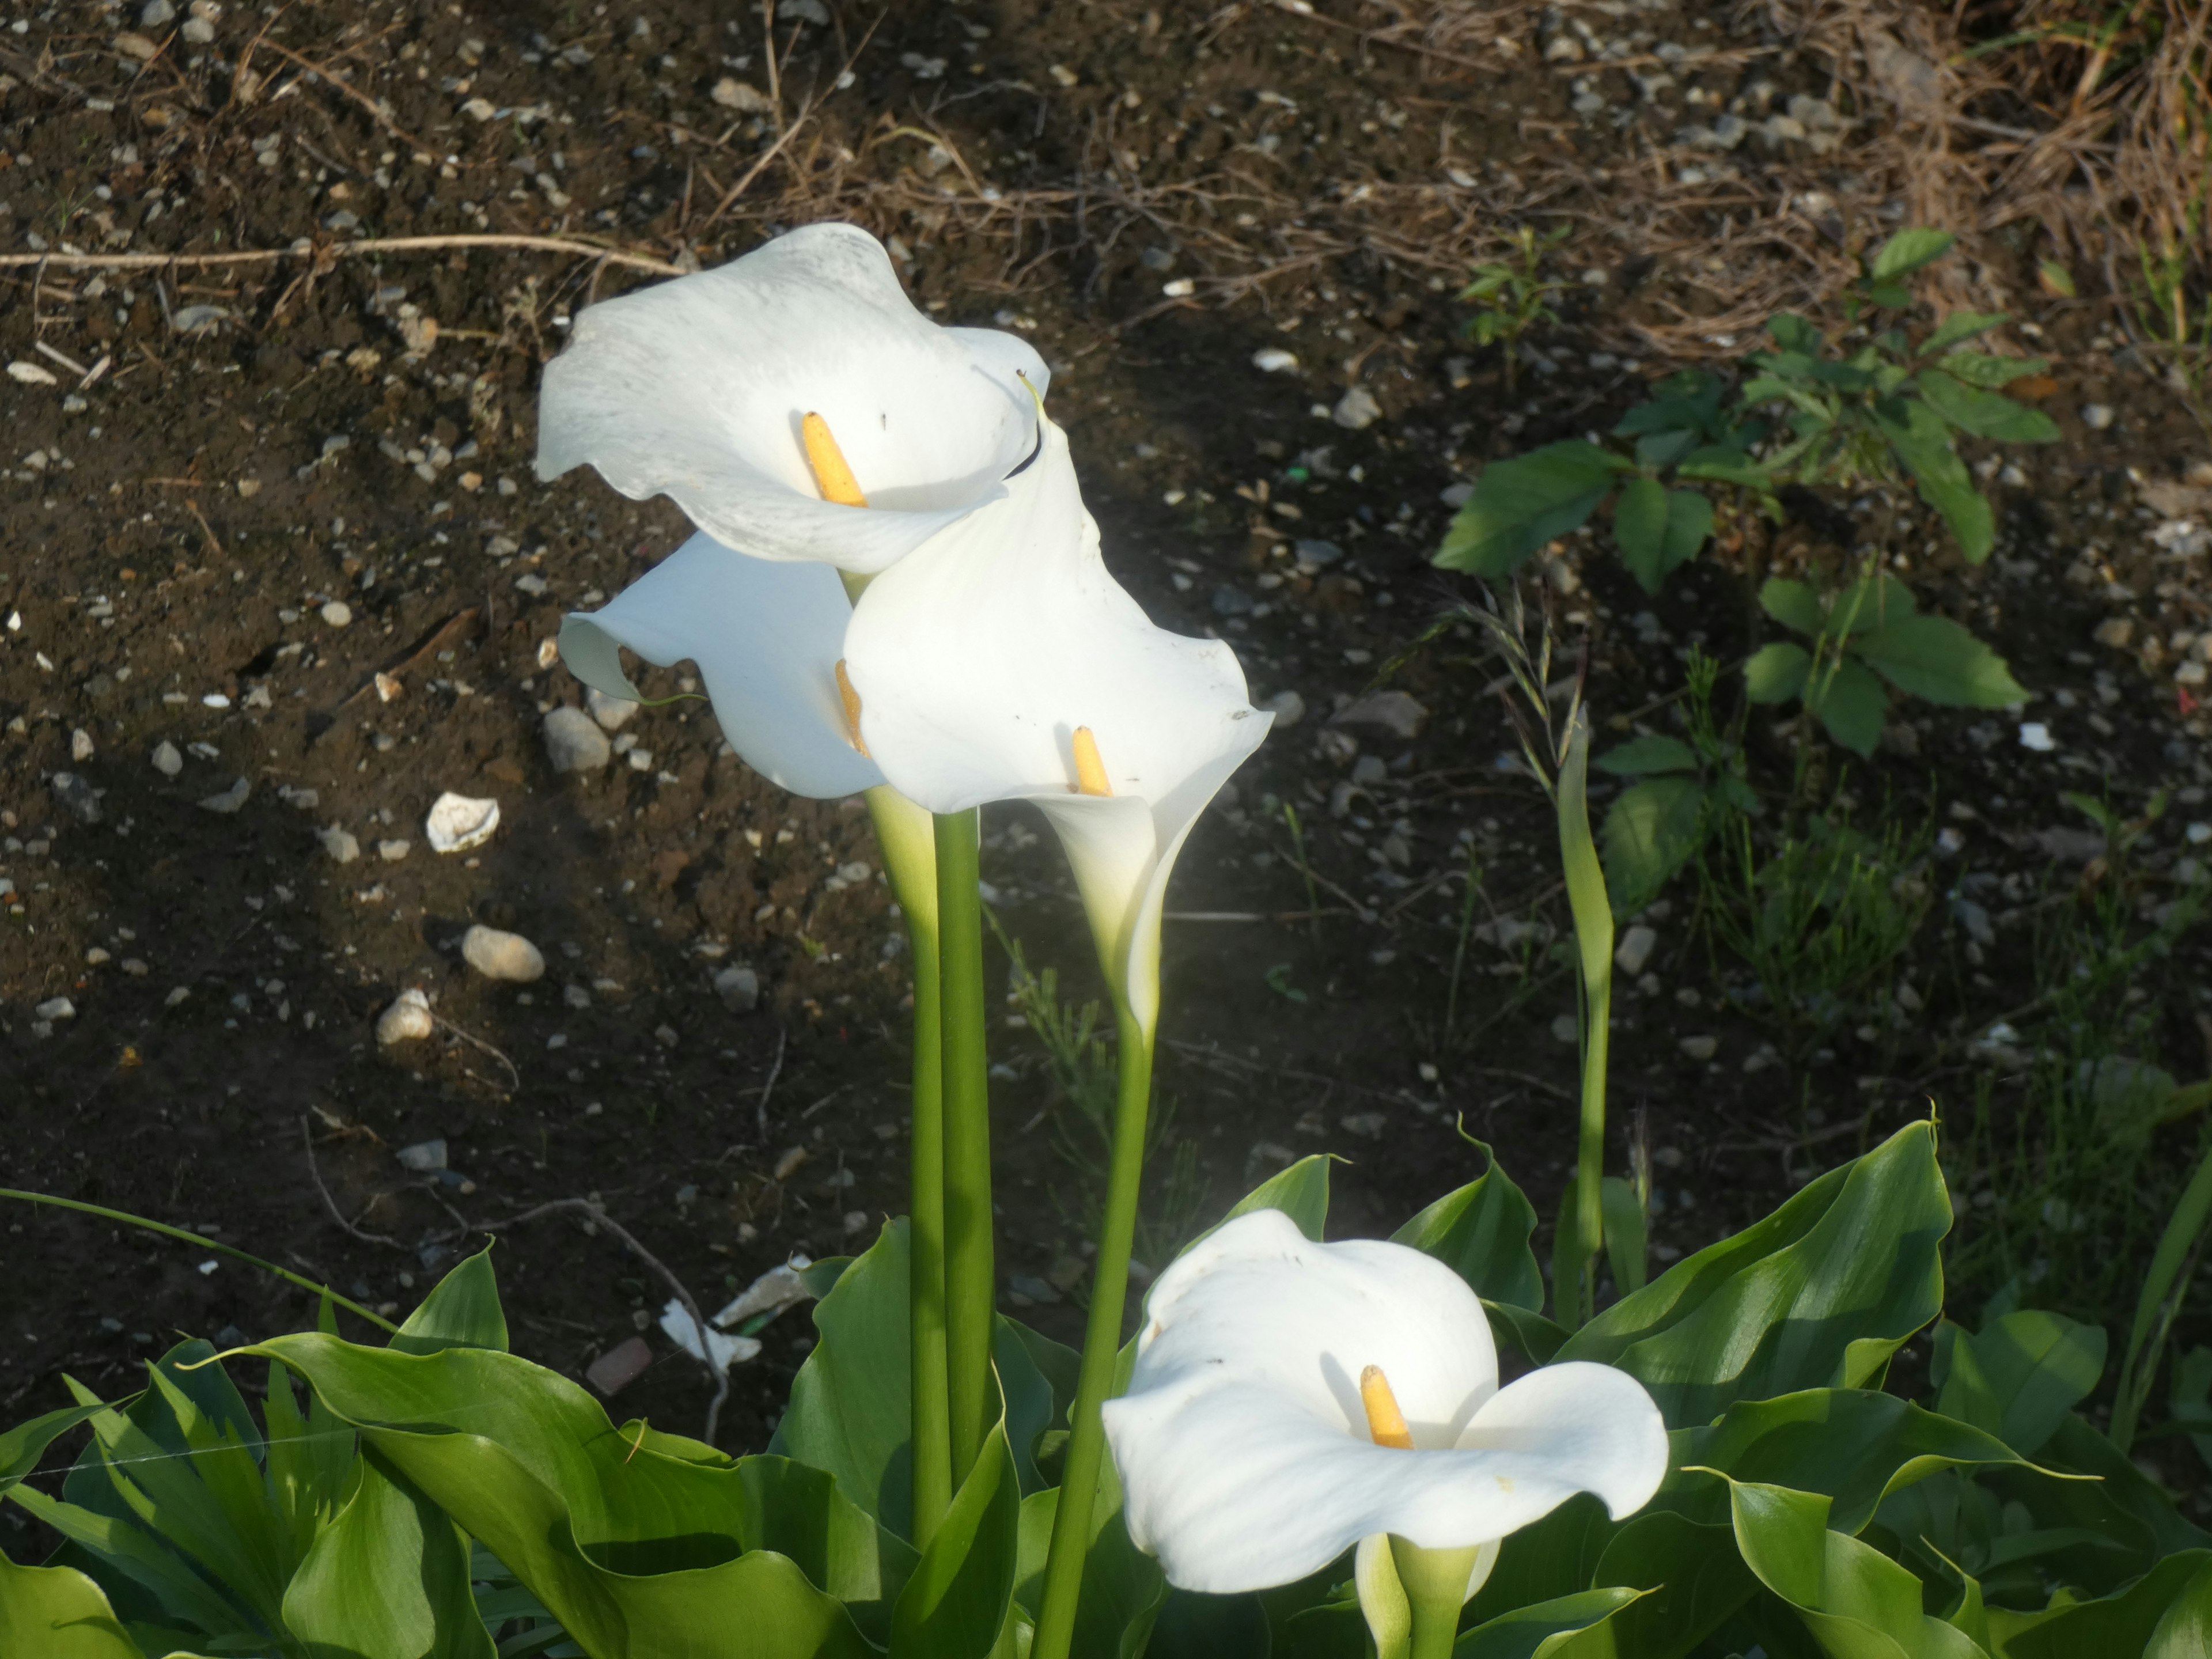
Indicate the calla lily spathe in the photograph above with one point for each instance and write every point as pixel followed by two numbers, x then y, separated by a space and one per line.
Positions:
pixel 697 389
pixel 1245 1449
pixel 1001 661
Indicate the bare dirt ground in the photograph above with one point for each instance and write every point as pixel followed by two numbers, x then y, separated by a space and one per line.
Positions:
pixel 279 513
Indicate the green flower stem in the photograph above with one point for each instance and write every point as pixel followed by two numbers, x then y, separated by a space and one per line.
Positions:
pixel 1592 908
pixel 971 1284
pixel 1101 1343
pixel 904 832
pixel 1436 1586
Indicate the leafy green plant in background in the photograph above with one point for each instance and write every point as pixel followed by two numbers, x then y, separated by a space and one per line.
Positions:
pixel 1869 634
pixel 1512 298
pixel 1810 414
pixel 1681 790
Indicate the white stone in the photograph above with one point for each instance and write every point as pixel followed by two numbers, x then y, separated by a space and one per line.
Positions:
pixel 611 713
pixel 1636 947
pixel 1355 409
pixel 1700 1047
pixel 503 956
pixel 741 96
pixel 739 988
pixel 457 823
pixel 2035 735
pixel 56 1008
pixel 2097 416
pixel 1287 707
pixel 231 799
pixel 1274 360
pixel 573 741
pixel 392 852
pixel 80 744
pixel 340 844
pixel 406 1020
pixel 338 613
pixel 166 760
pixel 197 30
pixel 157 14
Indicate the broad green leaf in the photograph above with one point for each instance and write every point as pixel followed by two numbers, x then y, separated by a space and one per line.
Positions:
pixel 1793 604
pixel 1552 1557
pixel 634 1541
pixel 2021 1375
pixel 1985 414
pixel 850 1410
pixel 1853 1446
pixel 1726 464
pixel 1818 1295
pixel 1795 335
pixel 1933 658
pixel 1873 602
pixel 463 1311
pixel 1520 504
pixel 1907 252
pixel 1639 525
pixel 1536 1337
pixel 1689 401
pixel 1923 445
pixel 799 1511
pixel 2133 1520
pixel 960 1597
pixel 2185 1632
pixel 1626 1242
pixel 1300 1192
pixel 1195 1626
pixel 388 1579
pixel 1959 327
pixel 1689 525
pixel 1856 1603
pixel 1123 1589
pixel 23 1446
pixel 1645 753
pixel 2121 1624
pixel 1777 672
pixel 1481 1232
pixel 1692 1570
pixel 1851 705
pixel 2190 1399
pixel 1992 373
pixel 1651 831
pixel 57 1613
pixel 1570 1627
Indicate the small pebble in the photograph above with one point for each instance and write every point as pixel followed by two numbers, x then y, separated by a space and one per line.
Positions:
pixel 423 1157
pixel 340 844
pixel 166 761
pixel 1287 707
pixel 338 613
pixel 1636 947
pixel 1700 1047
pixel 231 799
pixel 79 746
pixel 158 14
pixel 573 741
pixel 641 760
pixel 503 956
pixel 739 989
pixel 457 822
pixel 2097 416
pixel 76 794
pixel 391 852
pixel 1356 409
pixel 1567 1029
pixel 1274 360
pixel 2034 734
pixel 407 1020
pixel 55 1008
pixel 611 713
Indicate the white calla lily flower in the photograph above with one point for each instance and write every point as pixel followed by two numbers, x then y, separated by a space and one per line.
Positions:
pixel 1001 661
pixel 1292 1399
pixel 700 389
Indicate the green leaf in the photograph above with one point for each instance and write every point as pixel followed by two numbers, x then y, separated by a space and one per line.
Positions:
pixel 1123 1589
pixel 1793 604
pixel 2021 1375
pixel 1818 1295
pixel 1520 505
pixel 463 1311
pixel 23 1446
pixel 1907 252
pixel 1796 335
pixel 2124 1623
pixel 2170 1264
pixel 1626 1242
pixel 1651 831
pixel 1481 1232
pixel 1870 602
pixel 1536 1337
pixel 388 1579
pixel 1645 753
pixel 1570 1627
pixel 1959 327
pixel 1777 672
pixel 2055 278
pixel 1195 1626
pixel 1990 373
pixel 1923 443
pixel 1694 1576
pixel 1933 658
pixel 1639 525
pixel 799 1511
pixel 850 1410
pixel 1300 1192
pixel 57 1613
pixel 959 1600
pixel 1851 705
pixel 1549 1558
pixel 1689 402
pixel 1985 414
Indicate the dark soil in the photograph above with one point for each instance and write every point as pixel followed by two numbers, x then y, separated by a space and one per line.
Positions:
pixel 177 526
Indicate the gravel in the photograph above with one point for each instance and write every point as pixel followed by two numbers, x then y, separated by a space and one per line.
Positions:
pixel 167 759
pixel 406 1020
pixel 503 956
pixel 574 743
pixel 231 799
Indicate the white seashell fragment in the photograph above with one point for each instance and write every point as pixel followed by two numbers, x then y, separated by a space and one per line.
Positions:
pixel 457 822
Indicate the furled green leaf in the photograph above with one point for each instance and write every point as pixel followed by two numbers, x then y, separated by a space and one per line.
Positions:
pixel 1520 504
pixel 1985 414
pixel 1300 1192
pixel 1481 1232
pixel 462 1311
pixel 1646 753
pixel 1570 1627
pixel 1818 1295
pixel 1793 604
pixel 850 1410
pixel 57 1613
pixel 1535 1337
pixel 1933 658
pixel 1625 1229
pixel 1908 250
pixel 961 1595
pixel 1991 373
pixel 1923 445
pixel 2020 1375
pixel 1123 1589
pixel 387 1579
pixel 1777 672
pixel 1651 830
pixel 23 1446
pixel 1851 705
pixel 1959 327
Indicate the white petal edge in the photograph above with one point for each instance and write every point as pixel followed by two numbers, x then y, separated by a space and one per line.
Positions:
pixel 1244 1462
pixel 695 388
pixel 766 635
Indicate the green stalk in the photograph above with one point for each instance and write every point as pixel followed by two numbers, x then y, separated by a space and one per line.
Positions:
pixel 1102 1345
pixel 1436 1588
pixel 1592 908
pixel 970 1286
pixel 904 830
